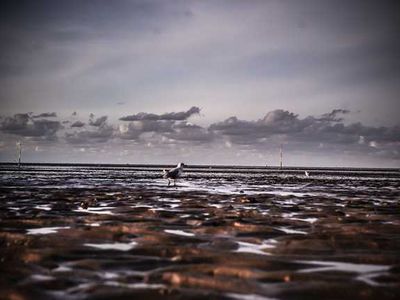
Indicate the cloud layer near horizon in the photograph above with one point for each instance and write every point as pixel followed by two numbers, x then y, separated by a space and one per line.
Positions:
pixel 327 134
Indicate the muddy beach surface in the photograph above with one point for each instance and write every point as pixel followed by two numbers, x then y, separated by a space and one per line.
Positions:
pixel 121 233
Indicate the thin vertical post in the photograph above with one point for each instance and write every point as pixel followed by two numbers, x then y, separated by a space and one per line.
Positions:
pixel 281 157
pixel 19 147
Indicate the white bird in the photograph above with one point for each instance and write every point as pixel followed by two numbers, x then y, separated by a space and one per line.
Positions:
pixel 174 173
pixel 307 174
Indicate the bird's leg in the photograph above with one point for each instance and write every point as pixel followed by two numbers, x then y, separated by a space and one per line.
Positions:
pixel 168 181
pixel 174 182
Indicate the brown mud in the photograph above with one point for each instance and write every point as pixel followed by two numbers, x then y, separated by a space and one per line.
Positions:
pixel 73 233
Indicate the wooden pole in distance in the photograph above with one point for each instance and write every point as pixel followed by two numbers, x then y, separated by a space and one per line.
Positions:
pixel 19 148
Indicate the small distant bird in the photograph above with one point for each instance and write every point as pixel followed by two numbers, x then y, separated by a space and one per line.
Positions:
pixel 307 174
pixel 174 173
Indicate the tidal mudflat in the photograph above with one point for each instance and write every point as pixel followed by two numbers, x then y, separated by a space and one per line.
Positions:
pixel 81 232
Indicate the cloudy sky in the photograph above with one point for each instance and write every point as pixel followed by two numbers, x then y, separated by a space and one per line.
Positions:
pixel 204 82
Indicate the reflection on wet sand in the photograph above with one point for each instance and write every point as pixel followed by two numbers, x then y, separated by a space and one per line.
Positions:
pixel 217 235
pixel 112 246
pixel 45 230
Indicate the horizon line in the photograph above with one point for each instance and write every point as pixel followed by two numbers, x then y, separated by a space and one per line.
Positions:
pixel 218 166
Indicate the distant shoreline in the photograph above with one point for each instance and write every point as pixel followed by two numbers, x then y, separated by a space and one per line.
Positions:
pixel 218 167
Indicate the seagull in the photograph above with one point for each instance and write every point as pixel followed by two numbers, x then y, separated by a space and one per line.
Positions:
pixel 174 173
pixel 307 174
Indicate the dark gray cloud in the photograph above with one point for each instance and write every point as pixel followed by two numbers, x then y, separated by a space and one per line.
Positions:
pixel 98 122
pixel 133 130
pixel 172 126
pixel 190 133
pixel 173 116
pixel 78 124
pixel 24 125
pixel 333 115
pixel 281 121
pixel 15 123
pixel 274 122
pixel 327 135
pixel 277 126
pixel 100 134
pixel 280 126
pixel 46 115
pixel 165 132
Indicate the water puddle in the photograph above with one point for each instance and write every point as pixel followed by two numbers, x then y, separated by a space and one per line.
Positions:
pixel 248 297
pixel 94 224
pixel 139 285
pixel 215 205
pixel 179 232
pixel 43 207
pixel 14 208
pixel 290 231
pixel 342 266
pixel 256 248
pixel 95 210
pixel 308 220
pixel 40 277
pixel 113 246
pixel 45 230
pixel 62 268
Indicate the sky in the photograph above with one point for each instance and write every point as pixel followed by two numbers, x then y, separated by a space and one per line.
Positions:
pixel 203 82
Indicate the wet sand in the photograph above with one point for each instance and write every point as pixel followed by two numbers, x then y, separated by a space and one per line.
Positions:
pixel 121 233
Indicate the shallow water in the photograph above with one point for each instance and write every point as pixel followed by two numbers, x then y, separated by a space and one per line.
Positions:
pixel 107 232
